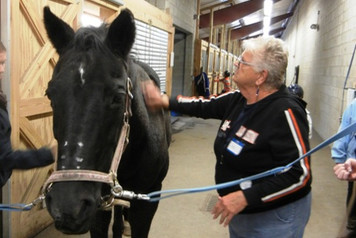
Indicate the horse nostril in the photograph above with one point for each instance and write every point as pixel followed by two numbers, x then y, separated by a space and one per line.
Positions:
pixel 87 203
pixel 87 206
pixel 58 219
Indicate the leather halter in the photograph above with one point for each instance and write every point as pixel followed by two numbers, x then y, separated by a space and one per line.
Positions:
pixel 97 176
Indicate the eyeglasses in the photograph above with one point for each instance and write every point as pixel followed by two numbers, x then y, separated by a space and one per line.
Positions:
pixel 240 61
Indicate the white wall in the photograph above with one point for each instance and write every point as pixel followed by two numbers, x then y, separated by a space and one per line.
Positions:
pixel 324 57
pixel 182 12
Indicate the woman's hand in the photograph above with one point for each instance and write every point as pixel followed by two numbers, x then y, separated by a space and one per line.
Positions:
pixel 153 98
pixel 228 206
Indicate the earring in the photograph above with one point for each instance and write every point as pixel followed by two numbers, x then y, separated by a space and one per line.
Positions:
pixel 258 90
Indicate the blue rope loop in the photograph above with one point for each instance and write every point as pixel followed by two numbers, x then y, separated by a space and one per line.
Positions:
pixel 156 196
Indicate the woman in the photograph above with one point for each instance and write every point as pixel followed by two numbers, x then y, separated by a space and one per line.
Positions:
pixel 263 126
pixel 16 159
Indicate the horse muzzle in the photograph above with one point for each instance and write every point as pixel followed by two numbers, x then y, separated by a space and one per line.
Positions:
pixel 73 205
pixel 67 225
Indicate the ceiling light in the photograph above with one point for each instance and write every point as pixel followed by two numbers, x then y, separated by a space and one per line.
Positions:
pixel 267 7
pixel 267 16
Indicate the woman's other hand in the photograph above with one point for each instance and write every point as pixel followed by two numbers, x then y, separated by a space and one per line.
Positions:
pixel 154 99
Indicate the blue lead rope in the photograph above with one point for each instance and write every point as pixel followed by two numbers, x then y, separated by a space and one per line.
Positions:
pixel 155 196
pixel 15 207
pixel 19 207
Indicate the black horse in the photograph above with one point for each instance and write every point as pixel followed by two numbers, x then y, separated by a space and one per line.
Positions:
pixel 88 93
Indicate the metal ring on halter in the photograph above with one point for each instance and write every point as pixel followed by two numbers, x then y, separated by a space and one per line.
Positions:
pixel 129 87
pixel 47 189
pixel 107 202
pixel 116 189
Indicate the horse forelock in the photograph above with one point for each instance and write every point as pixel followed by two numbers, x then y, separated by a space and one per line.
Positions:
pixel 89 51
pixel 90 38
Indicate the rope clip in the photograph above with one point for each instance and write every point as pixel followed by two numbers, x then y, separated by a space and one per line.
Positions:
pixel 130 195
pixel 38 200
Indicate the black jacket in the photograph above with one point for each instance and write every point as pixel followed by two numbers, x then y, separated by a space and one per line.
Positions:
pixel 17 159
pixel 270 133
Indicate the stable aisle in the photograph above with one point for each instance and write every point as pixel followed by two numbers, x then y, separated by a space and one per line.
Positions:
pixel 192 165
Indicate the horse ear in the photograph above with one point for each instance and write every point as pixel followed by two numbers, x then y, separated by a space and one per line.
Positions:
pixel 59 32
pixel 121 34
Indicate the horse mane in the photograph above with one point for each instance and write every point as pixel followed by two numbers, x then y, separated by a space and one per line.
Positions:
pixel 150 72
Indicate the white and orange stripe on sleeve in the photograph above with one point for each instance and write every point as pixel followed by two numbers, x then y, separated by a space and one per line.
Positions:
pixel 187 99
pixel 304 163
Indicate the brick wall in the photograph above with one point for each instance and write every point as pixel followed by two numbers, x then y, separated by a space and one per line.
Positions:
pixel 323 56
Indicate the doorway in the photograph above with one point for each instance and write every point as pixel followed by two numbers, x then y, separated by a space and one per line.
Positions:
pixel 183 63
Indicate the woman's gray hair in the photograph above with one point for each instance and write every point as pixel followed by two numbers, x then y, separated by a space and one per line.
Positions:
pixel 271 54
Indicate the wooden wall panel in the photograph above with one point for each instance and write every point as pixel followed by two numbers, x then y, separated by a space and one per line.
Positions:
pixel 32 62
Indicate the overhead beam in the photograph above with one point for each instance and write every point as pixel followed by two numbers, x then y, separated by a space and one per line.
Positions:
pixel 230 14
pixel 216 5
pixel 272 32
pixel 277 30
pixel 233 13
pixel 248 29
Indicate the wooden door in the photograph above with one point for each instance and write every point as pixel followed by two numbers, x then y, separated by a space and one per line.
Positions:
pixel 31 65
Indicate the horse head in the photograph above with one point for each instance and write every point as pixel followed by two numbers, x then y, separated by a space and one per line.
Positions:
pixel 88 97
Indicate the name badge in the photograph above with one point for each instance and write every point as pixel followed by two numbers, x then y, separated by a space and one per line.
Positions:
pixel 235 146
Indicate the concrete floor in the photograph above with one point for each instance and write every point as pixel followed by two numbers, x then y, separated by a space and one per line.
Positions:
pixel 192 165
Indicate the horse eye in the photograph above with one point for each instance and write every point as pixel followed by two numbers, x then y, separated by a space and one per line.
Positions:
pixel 115 75
pixel 116 102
